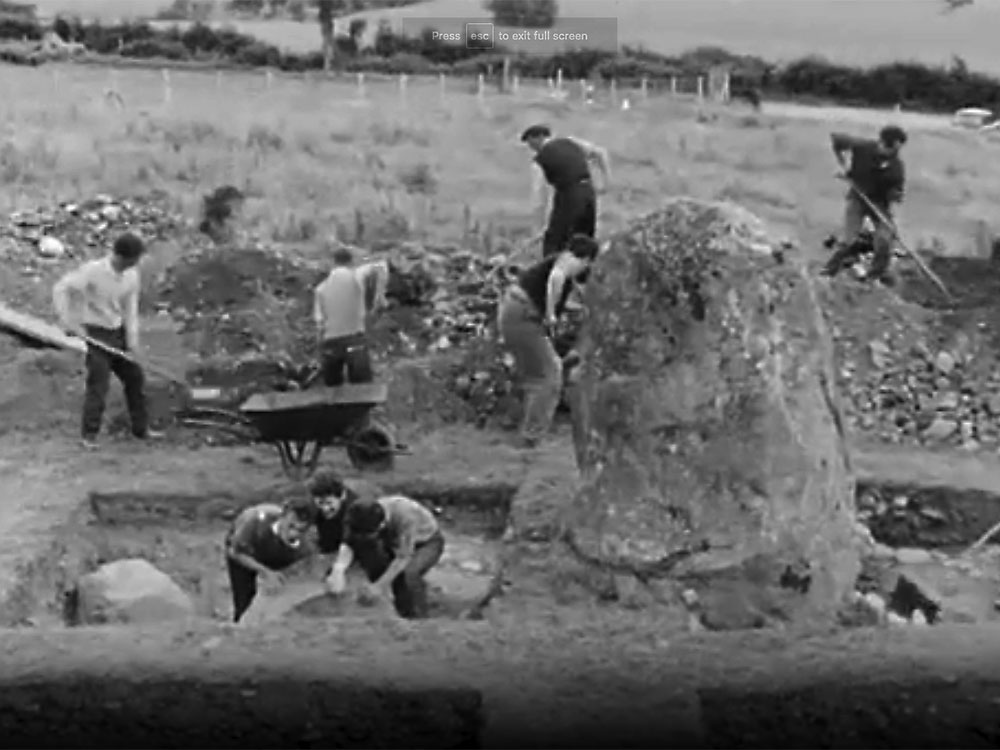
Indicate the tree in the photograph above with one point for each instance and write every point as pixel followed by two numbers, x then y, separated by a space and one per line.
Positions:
pixel 538 14
pixel 328 11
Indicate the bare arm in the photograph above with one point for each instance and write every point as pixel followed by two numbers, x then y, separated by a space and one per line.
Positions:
pixel 597 155
pixel 557 280
pixel 235 553
pixel 318 317
pixel 343 560
pixel 843 144
pixel 380 270
pixel 132 316
pixel 539 192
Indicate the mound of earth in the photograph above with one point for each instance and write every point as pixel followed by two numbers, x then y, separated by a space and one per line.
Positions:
pixel 914 368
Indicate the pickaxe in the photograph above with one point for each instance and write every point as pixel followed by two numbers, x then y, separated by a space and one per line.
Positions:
pixel 880 216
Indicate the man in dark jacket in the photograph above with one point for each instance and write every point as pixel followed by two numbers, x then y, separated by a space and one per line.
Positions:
pixel 876 170
pixel 564 163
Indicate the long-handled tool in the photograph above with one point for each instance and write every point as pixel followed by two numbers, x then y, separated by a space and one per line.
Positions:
pixel 880 216
pixel 108 349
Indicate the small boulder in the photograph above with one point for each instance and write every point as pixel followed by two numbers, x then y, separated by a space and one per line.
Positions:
pixel 130 591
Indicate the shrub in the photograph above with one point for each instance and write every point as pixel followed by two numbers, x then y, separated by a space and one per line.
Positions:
pixel 258 55
pixel 154 48
pixel 538 14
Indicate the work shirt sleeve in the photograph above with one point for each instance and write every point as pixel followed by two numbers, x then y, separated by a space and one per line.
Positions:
pixel 842 142
pixel 66 292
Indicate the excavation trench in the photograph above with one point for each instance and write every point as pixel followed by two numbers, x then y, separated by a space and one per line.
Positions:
pixel 183 536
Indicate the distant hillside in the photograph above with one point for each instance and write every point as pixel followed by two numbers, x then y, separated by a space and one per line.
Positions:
pixel 859 32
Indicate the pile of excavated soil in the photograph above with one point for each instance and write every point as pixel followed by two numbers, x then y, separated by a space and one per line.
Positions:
pixel 915 369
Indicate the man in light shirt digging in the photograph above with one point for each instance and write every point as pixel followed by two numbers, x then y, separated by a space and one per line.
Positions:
pixel 342 303
pixel 100 300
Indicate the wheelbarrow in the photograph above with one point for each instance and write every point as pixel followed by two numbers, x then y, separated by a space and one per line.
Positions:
pixel 300 424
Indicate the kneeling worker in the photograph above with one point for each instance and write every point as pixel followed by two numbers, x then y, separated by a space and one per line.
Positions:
pixel 410 540
pixel 263 541
pixel 342 304
pixel 333 499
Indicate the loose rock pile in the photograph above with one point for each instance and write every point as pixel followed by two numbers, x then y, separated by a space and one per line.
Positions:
pixel 909 374
pixel 913 375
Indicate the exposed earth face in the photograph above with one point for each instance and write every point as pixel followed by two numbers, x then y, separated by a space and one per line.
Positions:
pixel 312 671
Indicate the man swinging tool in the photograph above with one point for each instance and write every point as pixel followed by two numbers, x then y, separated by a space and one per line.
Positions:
pixel 564 163
pixel 877 177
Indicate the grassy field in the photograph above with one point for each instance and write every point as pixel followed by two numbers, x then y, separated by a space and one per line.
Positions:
pixel 847 31
pixel 315 155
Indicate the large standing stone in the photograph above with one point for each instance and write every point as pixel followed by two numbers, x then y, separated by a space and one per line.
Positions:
pixel 706 427
pixel 130 591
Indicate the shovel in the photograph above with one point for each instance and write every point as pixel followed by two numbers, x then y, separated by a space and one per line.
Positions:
pixel 878 214
pixel 156 370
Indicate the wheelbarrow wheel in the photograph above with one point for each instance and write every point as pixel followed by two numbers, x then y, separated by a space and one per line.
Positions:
pixel 372 448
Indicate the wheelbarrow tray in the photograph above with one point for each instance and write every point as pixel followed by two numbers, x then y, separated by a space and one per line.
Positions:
pixel 318 415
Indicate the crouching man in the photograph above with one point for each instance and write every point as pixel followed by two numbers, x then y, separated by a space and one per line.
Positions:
pixel 403 542
pixel 333 499
pixel 263 541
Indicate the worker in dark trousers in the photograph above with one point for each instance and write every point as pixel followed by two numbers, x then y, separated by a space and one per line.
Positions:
pixel 526 318
pixel 411 542
pixel 846 255
pixel 875 170
pixel 341 307
pixel 263 541
pixel 564 163
pixel 100 299
pixel 333 500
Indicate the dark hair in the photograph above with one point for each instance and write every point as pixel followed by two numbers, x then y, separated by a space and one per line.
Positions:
pixel 302 508
pixel 583 247
pixel 365 518
pixel 326 482
pixel 536 131
pixel 342 255
pixel 129 246
pixel 890 135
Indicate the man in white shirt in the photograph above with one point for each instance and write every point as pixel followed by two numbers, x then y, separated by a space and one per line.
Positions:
pixel 100 299
pixel 342 303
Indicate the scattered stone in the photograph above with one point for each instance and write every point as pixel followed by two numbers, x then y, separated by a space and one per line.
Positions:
pixel 944 362
pixel 940 429
pixel 130 591
pixel 912 556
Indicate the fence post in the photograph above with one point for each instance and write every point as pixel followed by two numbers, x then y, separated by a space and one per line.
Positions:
pixel 583 90
pixel 269 78
pixel 402 86
pixel 218 80
pixel 506 74
pixel 701 89
pixel 167 92
pixel 443 84
pixel 480 86
pixel 673 85
pixel 644 87
pixel 614 92
pixel 361 85
pixel 515 84
pixel 559 80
